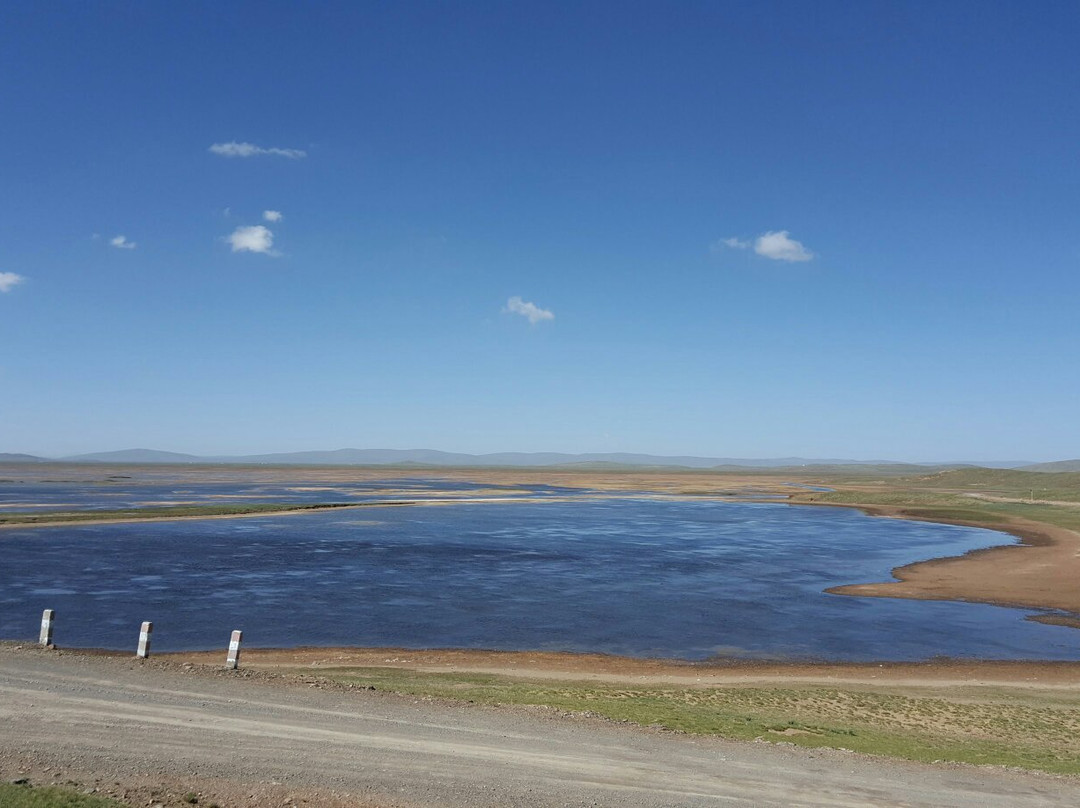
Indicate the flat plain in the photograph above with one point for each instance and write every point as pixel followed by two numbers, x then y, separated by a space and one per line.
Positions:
pixel 975 715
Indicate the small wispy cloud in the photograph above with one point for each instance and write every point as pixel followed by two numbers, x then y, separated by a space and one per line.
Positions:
pixel 728 243
pixel 530 311
pixel 779 246
pixel 234 149
pixel 273 215
pixel 775 244
pixel 122 243
pixel 254 238
pixel 9 280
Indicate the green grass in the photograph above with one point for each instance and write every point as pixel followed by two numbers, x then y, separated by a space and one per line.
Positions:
pixel 947 506
pixel 1034 731
pixel 1062 486
pixel 1026 485
pixel 12 796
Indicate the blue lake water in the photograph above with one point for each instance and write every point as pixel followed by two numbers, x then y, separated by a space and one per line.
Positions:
pixel 672 578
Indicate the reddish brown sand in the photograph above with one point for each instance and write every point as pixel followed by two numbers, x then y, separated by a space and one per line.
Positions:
pixel 647 672
pixel 1043 571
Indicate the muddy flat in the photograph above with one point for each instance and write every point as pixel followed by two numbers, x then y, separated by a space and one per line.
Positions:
pixel 152 731
pixel 552 665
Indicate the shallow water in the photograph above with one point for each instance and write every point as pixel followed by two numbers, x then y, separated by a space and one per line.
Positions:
pixel 687 579
pixel 122 492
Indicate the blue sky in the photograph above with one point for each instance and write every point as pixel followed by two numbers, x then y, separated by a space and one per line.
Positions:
pixel 844 229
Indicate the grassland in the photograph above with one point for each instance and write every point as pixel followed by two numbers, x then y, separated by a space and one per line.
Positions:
pixel 950 507
pixel 23 796
pixel 959 487
pixel 1032 729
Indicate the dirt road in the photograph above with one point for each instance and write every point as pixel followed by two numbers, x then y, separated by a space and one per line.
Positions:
pixel 153 731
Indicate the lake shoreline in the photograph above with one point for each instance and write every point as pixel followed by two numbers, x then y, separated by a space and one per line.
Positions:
pixel 286 510
pixel 1038 572
pixel 597 667
pixel 1033 574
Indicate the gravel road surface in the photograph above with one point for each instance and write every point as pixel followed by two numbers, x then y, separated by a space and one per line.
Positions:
pixel 149 731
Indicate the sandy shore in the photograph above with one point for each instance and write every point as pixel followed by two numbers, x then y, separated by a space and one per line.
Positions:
pixel 1040 573
pixel 605 668
pixel 128 520
pixel 288 511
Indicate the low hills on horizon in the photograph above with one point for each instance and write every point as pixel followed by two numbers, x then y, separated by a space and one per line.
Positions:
pixel 597 461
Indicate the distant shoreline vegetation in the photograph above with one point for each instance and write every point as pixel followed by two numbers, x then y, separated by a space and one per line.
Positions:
pixel 180 512
pixel 433 459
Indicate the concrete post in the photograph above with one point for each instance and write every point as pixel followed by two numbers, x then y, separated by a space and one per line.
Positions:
pixel 233 659
pixel 46 627
pixel 144 640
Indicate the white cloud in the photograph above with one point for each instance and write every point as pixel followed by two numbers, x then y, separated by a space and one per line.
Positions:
pixel 273 215
pixel 777 245
pixel 9 280
pixel 530 311
pixel 122 243
pixel 256 239
pixel 234 149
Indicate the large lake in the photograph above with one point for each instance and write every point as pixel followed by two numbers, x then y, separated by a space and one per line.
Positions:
pixel 672 578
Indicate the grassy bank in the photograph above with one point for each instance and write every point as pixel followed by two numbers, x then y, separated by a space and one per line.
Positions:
pixel 985 496
pixel 177 512
pixel 952 507
pixel 1002 726
pixel 25 796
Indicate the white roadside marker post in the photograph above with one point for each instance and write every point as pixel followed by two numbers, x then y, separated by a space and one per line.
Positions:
pixel 233 659
pixel 45 639
pixel 144 640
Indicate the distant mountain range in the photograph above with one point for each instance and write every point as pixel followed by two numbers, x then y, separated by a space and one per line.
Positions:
pixel 8 457
pixel 134 456
pixel 431 457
